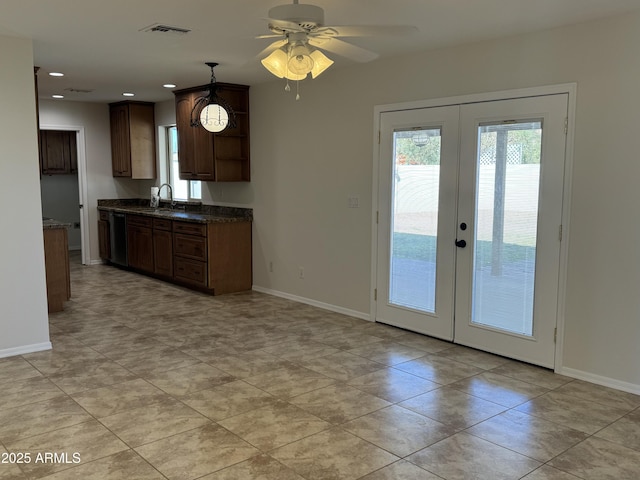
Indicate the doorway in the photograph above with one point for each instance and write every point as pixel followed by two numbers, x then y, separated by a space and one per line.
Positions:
pixel 469 220
pixel 63 196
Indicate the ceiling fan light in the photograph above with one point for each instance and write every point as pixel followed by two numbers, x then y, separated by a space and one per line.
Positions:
pixel 300 62
pixel 320 63
pixel 276 63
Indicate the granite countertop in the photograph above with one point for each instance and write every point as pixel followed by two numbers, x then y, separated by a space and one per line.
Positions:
pixel 51 223
pixel 187 211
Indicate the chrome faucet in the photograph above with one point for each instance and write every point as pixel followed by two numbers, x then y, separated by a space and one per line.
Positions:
pixel 173 204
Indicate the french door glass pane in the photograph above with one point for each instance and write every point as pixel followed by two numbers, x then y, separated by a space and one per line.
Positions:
pixel 508 179
pixel 414 222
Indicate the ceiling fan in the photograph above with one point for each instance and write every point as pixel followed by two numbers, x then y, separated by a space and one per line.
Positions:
pixel 302 34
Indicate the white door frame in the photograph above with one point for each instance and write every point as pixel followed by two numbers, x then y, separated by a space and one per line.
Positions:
pixel 82 186
pixel 568 88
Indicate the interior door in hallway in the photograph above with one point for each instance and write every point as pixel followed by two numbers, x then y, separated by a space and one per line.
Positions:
pixel 470 212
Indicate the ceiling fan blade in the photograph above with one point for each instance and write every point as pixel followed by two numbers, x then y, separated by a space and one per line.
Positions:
pixel 366 30
pixel 285 25
pixel 271 35
pixel 344 49
pixel 271 48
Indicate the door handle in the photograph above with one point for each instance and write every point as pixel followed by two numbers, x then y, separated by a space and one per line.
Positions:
pixel 461 243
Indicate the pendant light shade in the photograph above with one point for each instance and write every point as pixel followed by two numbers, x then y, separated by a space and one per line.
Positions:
pixel 211 112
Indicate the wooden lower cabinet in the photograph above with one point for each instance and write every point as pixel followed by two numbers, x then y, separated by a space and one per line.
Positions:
pixel 213 257
pixel 56 258
pixel 140 243
pixel 163 248
pixel 104 239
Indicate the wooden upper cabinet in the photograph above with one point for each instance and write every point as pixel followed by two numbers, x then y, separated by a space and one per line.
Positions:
pixel 214 157
pixel 58 152
pixel 133 140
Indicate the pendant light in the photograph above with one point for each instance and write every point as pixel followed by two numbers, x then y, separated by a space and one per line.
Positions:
pixel 211 112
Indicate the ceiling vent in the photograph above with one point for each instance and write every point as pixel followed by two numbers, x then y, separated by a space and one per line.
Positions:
pixel 160 28
pixel 77 90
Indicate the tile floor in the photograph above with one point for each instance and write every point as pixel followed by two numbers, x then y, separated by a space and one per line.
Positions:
pixel 147 380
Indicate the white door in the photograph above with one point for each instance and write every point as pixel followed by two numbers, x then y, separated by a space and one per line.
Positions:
pixel 470 207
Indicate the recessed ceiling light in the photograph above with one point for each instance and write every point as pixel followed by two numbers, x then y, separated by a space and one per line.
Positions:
pixel 56 74
pixel 57 96
pixel 169 85
pixel 128 94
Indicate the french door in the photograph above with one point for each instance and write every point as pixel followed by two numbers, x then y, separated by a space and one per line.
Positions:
pixel 469 223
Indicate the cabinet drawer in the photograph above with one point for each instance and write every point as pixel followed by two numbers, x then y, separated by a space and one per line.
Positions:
pixel 190 271
pixel 139 221
pixel 104 215
pixel 161 224
pixel 190 228
pixel 190 246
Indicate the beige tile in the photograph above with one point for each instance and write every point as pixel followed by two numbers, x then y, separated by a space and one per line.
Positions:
pixel 625 431
pixel 388 352
pixel 549 473
pixel 473 357
pixel 423 342
pixel 156 359
pixel 183 381
pixel 346 339
pixel 452 407
pixel 599 394
pixel 530 436
pixel 392 385
pixel 10 470
pixel 290 380
pixel 300 350
pixel 531 374
pixel 401 470
pixel 466 456
pixel 601 459
pixel 398 430
pixel 333 454
pixel 106 401
pixel 274 425
pixel 572 412
pixel 28 390
pixel 197 452
pixel 496 388
pixel 338 403
pixel 228 400
pixel 153 422
pixel 342 366
pixel 439 369
pixel 261 467
pixel 80 443
pixel 122 466
pixel 37 418
pixel 16 368
pixel 64 360
pixel 248 364
pixel 93 375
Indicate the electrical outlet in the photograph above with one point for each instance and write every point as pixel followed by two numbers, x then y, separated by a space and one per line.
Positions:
pixel 301 273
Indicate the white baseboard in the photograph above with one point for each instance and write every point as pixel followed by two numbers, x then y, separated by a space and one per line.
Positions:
pixel 314 303
pixel 600 380
pixel 37 347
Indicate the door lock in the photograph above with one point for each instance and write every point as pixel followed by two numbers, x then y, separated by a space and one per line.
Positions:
pixel 461 243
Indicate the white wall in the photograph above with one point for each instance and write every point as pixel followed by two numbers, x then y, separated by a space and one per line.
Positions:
pixel 24 324
pixel 309 156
